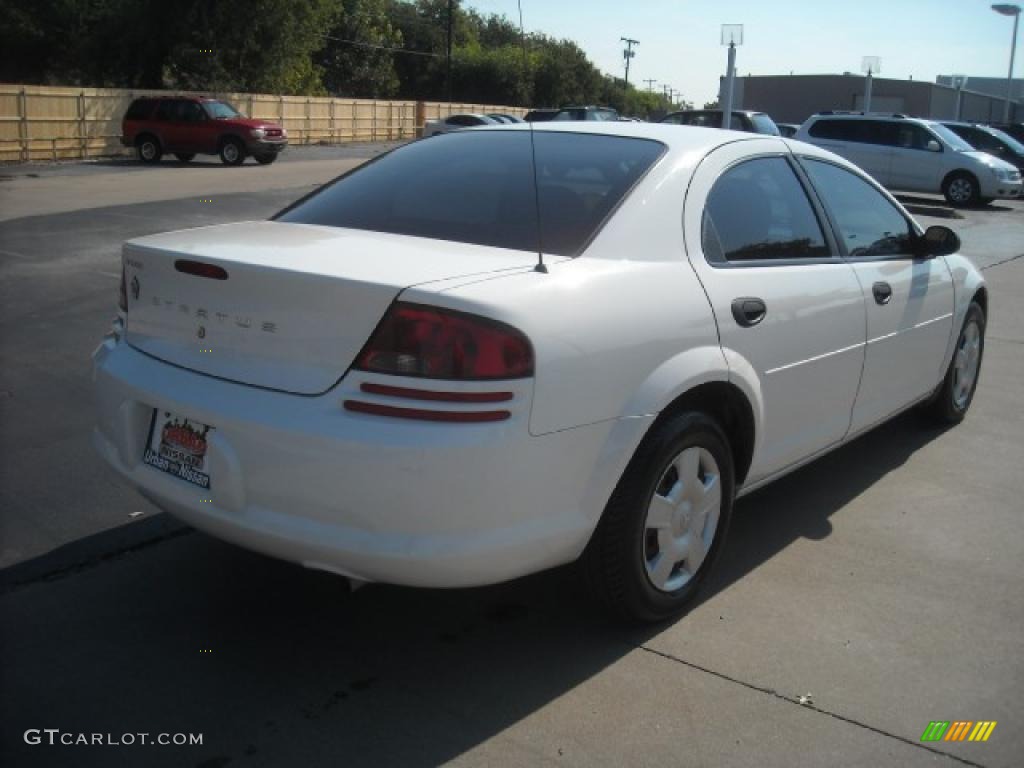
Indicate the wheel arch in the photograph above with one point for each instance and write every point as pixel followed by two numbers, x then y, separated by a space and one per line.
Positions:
pixel 728 405
pixel 142 135
pixel 959 172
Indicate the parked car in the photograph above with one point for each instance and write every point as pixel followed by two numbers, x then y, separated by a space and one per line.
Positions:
pixel 457 123
pixel 501 117
pixel 787 130
pixel 1016 130
pixel 190 125
pixel 539 115
pixel 741 120
pixel 991 141
pixel 585 113
pixel 381 382
pixel 914 155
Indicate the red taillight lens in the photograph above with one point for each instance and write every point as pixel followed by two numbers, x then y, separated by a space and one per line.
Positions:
pixel 416 340
pixel 122 299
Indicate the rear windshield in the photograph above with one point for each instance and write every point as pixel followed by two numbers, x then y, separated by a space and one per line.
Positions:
pixel 478 187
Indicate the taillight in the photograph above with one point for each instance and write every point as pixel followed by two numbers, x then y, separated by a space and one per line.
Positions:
pixel 122 300
pixel 417 340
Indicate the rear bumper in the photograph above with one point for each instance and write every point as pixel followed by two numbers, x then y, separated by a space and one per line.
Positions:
pixel 369 497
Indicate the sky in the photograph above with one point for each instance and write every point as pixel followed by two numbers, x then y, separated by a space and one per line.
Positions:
pixel 679 39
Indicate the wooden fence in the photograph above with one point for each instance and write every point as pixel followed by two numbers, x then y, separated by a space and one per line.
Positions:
pixel 55 123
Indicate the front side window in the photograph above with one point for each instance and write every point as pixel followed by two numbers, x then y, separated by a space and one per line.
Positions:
pixel 911 136
pixel 758 210
pixel 869 225
pixel 478 187
pixel 220 110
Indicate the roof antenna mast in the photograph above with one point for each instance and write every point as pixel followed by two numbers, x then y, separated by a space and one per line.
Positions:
pixel 540 267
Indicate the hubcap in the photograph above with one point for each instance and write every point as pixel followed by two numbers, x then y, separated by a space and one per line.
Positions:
pixel 682 519
pixel 961 190
pixel 148 150
pixel 965 364
pixel 230 152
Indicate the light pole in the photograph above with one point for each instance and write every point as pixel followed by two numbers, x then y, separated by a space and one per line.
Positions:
pixel 959 81
pixel 732 35
pixel 1007 9
pixel 869 65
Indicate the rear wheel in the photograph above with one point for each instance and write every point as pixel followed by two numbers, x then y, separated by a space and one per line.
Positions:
pixel 266 159
pixel 665 523
pixel 961 189
pixel 148 149
pixel 232 152
pixel 185 157
pixel 955 394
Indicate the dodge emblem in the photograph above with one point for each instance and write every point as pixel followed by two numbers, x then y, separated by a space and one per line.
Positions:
pixel 135 288
pixel 201 333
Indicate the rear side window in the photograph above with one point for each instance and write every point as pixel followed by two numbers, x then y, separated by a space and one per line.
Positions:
pixel 868 223
pixel 478 187
pixel 166 109
pixel 862 131
pixel 139 109
pixel 758 210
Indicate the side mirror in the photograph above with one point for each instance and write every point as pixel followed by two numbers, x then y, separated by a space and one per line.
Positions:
pixel 933 146
pixel 938 241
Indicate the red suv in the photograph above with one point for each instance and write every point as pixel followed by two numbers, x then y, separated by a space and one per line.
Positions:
pixel 188 126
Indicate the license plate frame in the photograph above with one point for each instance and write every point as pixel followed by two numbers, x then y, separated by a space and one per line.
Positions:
pixel 179 446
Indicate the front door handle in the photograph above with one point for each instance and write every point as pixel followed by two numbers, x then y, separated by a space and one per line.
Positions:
pixel 748 311
pixel 882 292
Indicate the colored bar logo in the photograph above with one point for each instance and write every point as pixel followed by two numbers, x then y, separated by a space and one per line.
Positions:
pixel 958 730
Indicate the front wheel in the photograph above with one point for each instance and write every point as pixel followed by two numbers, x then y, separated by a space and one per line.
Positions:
pixel 148 149
pixel 266 159
pixel 961 189
pixel 956 392
pixel 232 152
pixel 666 521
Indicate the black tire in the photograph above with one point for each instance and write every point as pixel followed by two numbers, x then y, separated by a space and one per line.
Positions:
pixel 949 405
pixel 616 560
pixel 148 149
pixel 232 151
pixel 961 189
pixel 185 157
pixel 266 159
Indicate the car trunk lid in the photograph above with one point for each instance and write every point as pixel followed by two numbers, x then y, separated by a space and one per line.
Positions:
pixel 295 303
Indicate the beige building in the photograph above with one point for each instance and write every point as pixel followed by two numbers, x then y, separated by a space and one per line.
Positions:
pixel 793 98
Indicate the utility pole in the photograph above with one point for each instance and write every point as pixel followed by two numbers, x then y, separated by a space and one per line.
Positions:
pixel 448 55
pixel 628 54
pixel 650 84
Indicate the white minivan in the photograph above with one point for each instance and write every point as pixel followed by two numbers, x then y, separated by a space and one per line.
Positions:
pixel 915 155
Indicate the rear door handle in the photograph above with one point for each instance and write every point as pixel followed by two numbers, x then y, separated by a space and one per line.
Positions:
pixel 748 311
pixel 882 292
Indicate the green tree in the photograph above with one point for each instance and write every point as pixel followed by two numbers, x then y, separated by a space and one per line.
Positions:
pixel 361 70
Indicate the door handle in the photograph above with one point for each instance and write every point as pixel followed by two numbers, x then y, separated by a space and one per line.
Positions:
pixel 748 311
pixel 882 292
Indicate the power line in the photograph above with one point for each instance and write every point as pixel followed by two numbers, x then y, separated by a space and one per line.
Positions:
pixel 381 47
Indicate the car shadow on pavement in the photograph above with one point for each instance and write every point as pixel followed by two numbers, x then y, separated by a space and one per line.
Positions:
pixel 274 664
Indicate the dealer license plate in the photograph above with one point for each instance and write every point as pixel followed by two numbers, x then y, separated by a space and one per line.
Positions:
pixel 178 446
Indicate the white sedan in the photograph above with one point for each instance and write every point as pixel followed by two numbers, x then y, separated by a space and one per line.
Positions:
pixel 385 382
pixel 458 123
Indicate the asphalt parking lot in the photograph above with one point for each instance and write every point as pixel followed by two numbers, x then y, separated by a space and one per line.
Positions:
pixel 859 598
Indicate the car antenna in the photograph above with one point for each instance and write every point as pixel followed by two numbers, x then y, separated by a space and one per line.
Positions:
pixel 540 266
